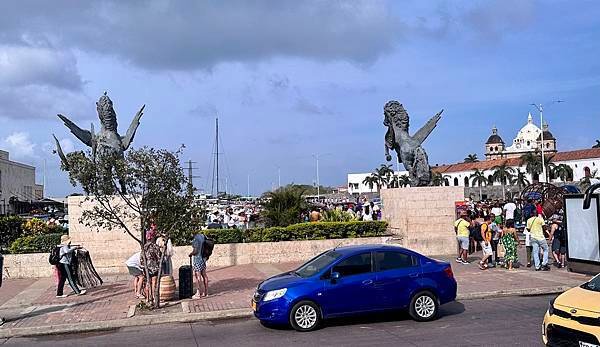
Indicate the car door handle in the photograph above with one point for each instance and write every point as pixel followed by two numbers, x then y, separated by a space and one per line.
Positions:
pixel 367 282
pixel 413 275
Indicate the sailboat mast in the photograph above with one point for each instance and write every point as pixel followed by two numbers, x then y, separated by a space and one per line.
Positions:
pixel 217 164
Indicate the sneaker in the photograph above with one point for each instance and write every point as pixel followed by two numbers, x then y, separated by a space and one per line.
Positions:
pixel 82 292
pixel 62 296
pixel 2 321
pixel 464 262
pixel 538 268
pixel 545 268
pixel 458 260
pixel 528 264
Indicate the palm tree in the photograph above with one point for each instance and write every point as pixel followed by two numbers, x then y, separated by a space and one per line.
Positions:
pixel 533 164
pixel 404 181
pixel 521 179
pixel 562 171
pixel 383 173
pixel 597 145
pixel 437 179
pixel 370 181
pixel 503 174
pixel 478 178
pixel 394 181
pixel 585 182
pixel 471 158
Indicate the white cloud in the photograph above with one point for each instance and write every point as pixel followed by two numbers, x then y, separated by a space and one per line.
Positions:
pixel 19 145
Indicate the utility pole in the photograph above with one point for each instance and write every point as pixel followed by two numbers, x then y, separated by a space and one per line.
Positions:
pixel 248 186
pixel 279 176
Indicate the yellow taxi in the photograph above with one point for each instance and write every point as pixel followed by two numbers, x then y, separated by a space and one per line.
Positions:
pixel 573 317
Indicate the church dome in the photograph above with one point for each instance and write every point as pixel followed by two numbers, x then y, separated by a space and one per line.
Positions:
pixel 527 137
pixel 494 138
pixel 547 134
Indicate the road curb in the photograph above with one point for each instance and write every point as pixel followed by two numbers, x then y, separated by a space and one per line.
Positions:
pixel 513 292
pixel 140 320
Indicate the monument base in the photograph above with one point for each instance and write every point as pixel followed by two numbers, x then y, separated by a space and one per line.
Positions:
pixel 423 217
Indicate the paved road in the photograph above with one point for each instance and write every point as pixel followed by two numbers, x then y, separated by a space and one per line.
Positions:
pixel 512 321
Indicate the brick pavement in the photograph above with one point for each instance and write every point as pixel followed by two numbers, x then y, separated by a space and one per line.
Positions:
pixel 229 288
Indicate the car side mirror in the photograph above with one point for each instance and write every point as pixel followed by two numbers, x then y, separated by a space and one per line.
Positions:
pixel 335 276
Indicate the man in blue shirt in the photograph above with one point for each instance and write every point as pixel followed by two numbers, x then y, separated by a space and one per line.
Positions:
pixel 199 266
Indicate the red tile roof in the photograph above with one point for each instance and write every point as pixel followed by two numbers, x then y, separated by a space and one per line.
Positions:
pixel 488 164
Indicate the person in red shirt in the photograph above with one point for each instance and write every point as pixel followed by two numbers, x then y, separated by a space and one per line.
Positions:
pixel 539 208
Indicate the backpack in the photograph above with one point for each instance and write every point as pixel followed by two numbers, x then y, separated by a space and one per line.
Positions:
pixel 208 247
pixel 475 233
pixel 54 257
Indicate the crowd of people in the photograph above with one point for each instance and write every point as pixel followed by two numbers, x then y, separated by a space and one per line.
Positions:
pixel 494 227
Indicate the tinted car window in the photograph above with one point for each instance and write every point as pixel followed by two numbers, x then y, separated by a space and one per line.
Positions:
pixel 393 260
pixel 317 264
pixel 356 264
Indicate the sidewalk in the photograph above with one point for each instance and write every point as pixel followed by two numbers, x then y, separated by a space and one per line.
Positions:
pixel 31 307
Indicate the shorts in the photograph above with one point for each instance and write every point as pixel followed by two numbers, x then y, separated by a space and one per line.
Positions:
pixel 199 264
pixel 134 271
pixel 557 246
pixel 463 241
pixel 487 250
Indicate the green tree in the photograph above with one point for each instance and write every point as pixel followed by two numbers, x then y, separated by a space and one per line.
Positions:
pixel 563 171
pixel 521 179
pixel 383 174
pixel 371 181
pixel 284 207
pixel 504 175
pixel 156 192
pixel 478 178
pixel 471 158
pixel 437 179
pixel 533 164
pixel 585 182
pixel 404 181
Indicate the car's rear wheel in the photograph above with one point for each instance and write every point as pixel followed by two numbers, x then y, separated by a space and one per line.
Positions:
pixel 305 316
pixel 424 307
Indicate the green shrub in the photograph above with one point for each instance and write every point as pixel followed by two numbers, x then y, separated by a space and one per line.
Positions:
pixel 35 244
pixel 302 231
pixel 10 230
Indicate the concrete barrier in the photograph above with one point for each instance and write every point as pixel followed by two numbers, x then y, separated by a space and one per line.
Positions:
pixel 111 260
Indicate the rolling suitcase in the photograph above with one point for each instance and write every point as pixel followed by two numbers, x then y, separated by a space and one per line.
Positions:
pixel 186 284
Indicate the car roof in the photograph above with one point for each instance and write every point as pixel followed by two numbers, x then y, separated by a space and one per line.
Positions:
pixel 345 250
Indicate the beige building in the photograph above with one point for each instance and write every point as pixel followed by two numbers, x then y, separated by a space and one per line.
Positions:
pixel 17 185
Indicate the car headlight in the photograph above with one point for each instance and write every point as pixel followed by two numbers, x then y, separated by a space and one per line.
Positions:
pixel 275 294
pixel 551 306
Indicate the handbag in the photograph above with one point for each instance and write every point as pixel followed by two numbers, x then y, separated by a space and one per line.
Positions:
pixel 501 250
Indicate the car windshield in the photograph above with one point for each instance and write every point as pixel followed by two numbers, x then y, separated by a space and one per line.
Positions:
pixel 593 284
pixel 317 264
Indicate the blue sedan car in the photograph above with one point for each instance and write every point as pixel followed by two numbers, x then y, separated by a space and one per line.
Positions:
pixel 354 280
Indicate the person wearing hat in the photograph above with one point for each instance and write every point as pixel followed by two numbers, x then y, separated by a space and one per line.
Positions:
pixel 64 268
pixel 461 228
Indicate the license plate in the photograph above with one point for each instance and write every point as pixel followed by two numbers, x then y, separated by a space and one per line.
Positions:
pixel 587 344
pixel 253 305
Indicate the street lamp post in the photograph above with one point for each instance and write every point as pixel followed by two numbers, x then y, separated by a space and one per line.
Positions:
pixel 540 108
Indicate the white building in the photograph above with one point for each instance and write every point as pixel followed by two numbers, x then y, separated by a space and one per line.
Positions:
pixel 17 185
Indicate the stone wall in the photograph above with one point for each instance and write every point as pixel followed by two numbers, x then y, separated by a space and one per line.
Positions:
pixel 424 216
pixel 112 260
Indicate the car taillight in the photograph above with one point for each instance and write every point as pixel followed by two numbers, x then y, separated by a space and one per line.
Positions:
pixel 448 272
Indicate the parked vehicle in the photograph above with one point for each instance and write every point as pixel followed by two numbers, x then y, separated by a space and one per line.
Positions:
pixel 353 280
pixel 573 317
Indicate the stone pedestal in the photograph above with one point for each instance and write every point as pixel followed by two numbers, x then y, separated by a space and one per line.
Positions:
pixel 423 216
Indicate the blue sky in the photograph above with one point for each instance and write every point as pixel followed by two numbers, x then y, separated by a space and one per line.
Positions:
pixel 290 79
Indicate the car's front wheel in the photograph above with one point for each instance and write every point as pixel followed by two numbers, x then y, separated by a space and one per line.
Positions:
pixel 305 316
pixel 424 307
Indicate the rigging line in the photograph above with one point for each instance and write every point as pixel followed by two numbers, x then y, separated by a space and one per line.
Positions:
pixel 226 162
pixel 210 169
